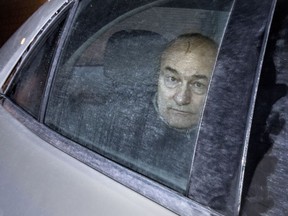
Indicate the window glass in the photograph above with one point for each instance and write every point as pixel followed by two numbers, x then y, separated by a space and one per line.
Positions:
pixel 28 86
pixel 266 166
pixel 132 81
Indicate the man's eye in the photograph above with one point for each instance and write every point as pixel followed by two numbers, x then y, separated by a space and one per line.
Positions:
pixel 199 87
pixel 171 81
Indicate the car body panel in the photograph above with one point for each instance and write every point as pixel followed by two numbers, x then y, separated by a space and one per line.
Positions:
pixel 38 179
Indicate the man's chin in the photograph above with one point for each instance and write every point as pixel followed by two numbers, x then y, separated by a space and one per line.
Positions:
pixel 182 121
pixel 180 124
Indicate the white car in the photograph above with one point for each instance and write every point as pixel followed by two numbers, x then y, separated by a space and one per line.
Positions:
pixel 77 137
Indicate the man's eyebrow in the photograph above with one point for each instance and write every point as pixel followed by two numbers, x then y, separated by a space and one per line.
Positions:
pixel 172 70
pixel 197 76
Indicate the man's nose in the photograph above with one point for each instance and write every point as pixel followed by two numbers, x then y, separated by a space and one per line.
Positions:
pixel 183 95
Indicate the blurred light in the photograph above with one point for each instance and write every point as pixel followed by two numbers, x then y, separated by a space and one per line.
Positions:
pixel 23 41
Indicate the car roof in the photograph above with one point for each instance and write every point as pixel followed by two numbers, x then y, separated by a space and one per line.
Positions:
pixel 14 48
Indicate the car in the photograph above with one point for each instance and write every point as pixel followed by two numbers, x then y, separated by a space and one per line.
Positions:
pixel 82 132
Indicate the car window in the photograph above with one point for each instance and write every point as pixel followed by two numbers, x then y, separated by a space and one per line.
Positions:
pixel 266 159
pixel 120 91
pixel 28 86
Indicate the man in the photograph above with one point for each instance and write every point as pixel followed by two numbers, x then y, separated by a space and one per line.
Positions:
pixel 152 129
pixel 168 136
pixel 185 70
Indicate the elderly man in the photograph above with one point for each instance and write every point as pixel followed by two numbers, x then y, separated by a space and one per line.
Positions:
pixel 152 129
pixel 168 135
pixel 186 67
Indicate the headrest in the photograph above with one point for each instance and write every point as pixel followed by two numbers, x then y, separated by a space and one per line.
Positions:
pixel 133 57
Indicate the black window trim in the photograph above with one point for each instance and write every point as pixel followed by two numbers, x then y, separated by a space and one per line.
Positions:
pixel 253 103
pixel 262 11
pixel 55 62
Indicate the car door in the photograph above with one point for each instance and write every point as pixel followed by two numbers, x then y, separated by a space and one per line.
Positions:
pixel 91 101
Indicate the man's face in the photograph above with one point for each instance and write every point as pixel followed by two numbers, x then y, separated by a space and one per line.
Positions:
pixel 183 82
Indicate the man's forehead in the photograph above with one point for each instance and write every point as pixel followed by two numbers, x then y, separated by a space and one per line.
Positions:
pixel 188 61
pixel 189 44
pixel 194 56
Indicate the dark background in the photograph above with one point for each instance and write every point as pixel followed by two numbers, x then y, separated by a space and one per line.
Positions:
pixel 13 13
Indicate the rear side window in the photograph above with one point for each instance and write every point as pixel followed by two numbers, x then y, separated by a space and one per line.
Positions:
pixel 120 91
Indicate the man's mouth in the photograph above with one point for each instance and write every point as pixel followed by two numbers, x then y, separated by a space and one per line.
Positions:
pixel 182 112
